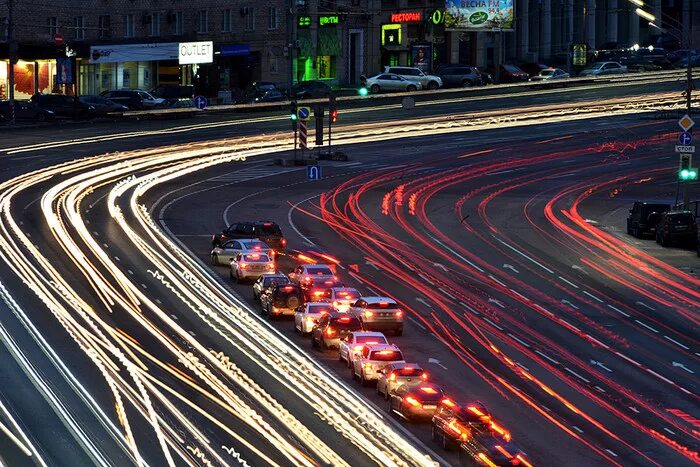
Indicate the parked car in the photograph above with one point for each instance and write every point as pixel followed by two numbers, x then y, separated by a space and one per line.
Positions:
pixel 395 374
pixel 224 253
pixel 368 362
pixel 603 68
pixel 488 450
pixel 379 314
pixel 268 232
pixel 347 349
pixel 174 95
pixel 25 110
pixel 268 280
pixel 676 227
pixel 281 300
pixel 310 90
pixel 644 217
pixel 454 422
pixel 307 316
pixel 63 106
pixel 415 74
pixel 332 328
pixel 103 106
pixel 533 69
pixel 261 91
pixel 416 402
pixel 134 99
pixel 460 75
pixel 550 74
pixel 390 82
pixel 512 74
pixel 246 266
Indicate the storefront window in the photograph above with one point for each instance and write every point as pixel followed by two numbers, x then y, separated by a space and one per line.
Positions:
pixel 326 67
pixel 30 78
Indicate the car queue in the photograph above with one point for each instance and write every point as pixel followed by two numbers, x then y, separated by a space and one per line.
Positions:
pixel 340 320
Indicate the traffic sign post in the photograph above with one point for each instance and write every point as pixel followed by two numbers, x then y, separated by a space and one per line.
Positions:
pixel 58 39
pixel 302 135
pixel 200 102
pixel 332 117
pixel 304 113
pixel 685 139
pixel 313 172
pixel 686 123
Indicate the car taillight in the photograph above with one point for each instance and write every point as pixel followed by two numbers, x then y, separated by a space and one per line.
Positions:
pixel 270 266
pixel 428 390
pixel 424 377
pixel 243 265
pixel 412 401
pixel 275 309
pixel 368 314
pixel 357 348
pixel 448 402
pixel 399 314
pixel 344 320
pixel 318 293
pixel 524 462
pixel 330 331
pixel 283 241
pixel 392 376
pixel 501 431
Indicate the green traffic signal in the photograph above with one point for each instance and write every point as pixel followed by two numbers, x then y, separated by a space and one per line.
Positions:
pixel 293 117
pixel 363 91
pixel 688 174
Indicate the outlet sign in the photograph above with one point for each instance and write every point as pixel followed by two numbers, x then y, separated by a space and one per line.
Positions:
pixel 195 52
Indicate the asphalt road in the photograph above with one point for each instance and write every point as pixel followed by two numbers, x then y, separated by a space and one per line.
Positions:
pixel 199 203
pixel 540 295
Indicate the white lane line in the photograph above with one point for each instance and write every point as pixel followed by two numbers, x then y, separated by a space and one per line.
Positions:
pixel 522 366
pixel 570 325
pixel 497 281
pixel 117 258
pixel 158 301
pixel 447 293
pixel 662 378
pixel 519 340
pixel 493 324
pixel 598 388
pixel 677 343
pixel 608 450
pixel 577 375
pixel 105 245
pixel 417 323
pixel 501 172
pixel 577 428
pixel 669 431
pixel 424 302
pixel 497 302
pixel 519 295
pixel 619 311
pixel 175 317
pixel 426 279
pixel 130 272
pixel 143 285
pixel 634 409
pixel 592 296
pixel 646 326
pixel 605 346
pixel 95 233
pixel 567 302
pixel 525 256
pixel 457 254
pixel 569 282
pixel 370 263
pixel 646 306
pixel 683 367
pixel 291 222
pixel 633 362
pixel 547 357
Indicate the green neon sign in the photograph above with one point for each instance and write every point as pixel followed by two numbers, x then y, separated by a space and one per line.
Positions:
pixel 304 21
pixel 328 20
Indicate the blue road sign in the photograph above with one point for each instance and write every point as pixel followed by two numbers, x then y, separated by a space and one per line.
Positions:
pixel 685 139
pixel 313 172
pixel 200 102
pixel 303 113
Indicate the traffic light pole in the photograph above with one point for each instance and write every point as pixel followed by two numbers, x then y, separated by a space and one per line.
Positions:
pixel 686 183
pixel 295 146
pixel 330 133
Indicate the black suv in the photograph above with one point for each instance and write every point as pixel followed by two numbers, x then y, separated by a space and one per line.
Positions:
pixel 63 106
pixel 459 75
pixel 268 232
pixel 281 299
pixel 644 217
pixel 676 227
pixel 454 422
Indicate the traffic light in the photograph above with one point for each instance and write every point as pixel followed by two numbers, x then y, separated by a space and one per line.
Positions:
pixel 333 116
pixel 363 91
pixel 690 173
pixel 293 114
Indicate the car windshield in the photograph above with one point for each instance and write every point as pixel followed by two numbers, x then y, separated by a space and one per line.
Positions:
pixel 256 258
pixel 368 339
pixel 319 308
pixel 255 245
pixel 347 294
pixel 685 218
pixel 594 66
pixel 546 72
pixel 319 270
pixel 385 355
pixel 268 281
pixel 511 69
pixel 382 305
pixel 266 86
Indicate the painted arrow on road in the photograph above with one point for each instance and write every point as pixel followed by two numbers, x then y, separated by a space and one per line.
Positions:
pixel 566 302
pixel 600 364
pixel 370 263
pixel 511 267
pixel 437 362
pixel 438 265
pixel 497 302
pixel 680 365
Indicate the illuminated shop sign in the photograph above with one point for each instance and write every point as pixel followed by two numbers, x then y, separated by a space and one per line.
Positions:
pixel 391 35
pixel 304 21
pixel 437 17
pixel 407 17
pixel 328 20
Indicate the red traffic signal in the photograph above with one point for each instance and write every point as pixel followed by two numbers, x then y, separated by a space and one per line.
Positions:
pixel 333 115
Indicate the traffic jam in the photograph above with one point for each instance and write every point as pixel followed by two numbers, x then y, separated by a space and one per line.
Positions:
pixel 340 321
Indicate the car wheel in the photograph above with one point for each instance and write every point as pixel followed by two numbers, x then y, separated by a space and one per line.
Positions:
pixel 374 88
pixel 629 229
pixel 467 83
pixel 379 393
pixel 635 232
pixel 411 88
pixel 658 236
pixel 433 85
pixel 313 341
pixel 41 118
pixel 363 381
pixel 323 345
pixel 340 358
pixel 214 260
pixel 664 241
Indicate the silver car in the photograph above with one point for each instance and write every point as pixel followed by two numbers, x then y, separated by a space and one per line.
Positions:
pixel 373 358
pixel 379 314
pixel 341 297
pixel 223 254
pixel 250 266
pixel 306 317
pixel 550 74
pixel 603 68
pixel 348 349
pixel 395 374
pixel 391 82
pixel 415 74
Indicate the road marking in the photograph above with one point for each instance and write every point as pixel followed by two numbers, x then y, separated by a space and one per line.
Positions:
pixel 645 306
pixel 634 409
pixel 370 263
pixel 600 364
pixel 424 302
pixel 547 357
pixel 605 346
pixel 577 375
pixel 646 325
pixel 598 388
pixel 175 317
pixel 437 362
pixel 447 293
pixel 682 366
pixel 426 279
pixel 569 282
pixel 130 272
pixel 289 219
pixel 663 378
pixel 117 258
pixel 441 266
pixel 493 324
pixel 669 431
pixel 522 366
pixel 95 234
pixel 417 323
pixel 511 267
pixel 566 302
pixel 577 428
pixel 677 343
pixel 497 302
pixel 525 256
pixel 497 281
pixel 519 340
pixel 612 453
pixel 592 296
pixel 158 301
pixel 105 245
pixel 579 268
pixel 501 172
pixel 143 285
pixel 519 295
pixel 457 254
pixel 570 325
pixel 619 311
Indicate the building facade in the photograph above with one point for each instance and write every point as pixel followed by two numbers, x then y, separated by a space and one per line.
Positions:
pixel 133 43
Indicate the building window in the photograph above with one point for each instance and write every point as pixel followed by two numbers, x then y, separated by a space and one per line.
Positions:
pixel 274 65
pixel 104 27
pixel 129 25
pixel 272 18
pixel 3 28
pixel 202 21
pixel 52 23
pixel 250 19
pixel 154 29
pixel 226 20
pixel 78 28
pixel 179 23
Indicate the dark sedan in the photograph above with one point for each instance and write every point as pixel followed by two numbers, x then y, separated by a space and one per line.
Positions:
pixel 310 90
pixel 25 110
pixel 102 106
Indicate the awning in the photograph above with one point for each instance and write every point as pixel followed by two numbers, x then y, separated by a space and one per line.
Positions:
pixel 133 52
pixel 234 50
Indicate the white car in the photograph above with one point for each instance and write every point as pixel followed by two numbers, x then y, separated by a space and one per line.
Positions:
pixel 250 266
pixel 350 347
pixel 550 74
pixel 391 82
pixel 342 297
pixel 415 74
pixel 379 314
pixel 223 254
pixel 306 274
pixel 603 68
pixel 395 374
pixel 307 317
pixel 372 358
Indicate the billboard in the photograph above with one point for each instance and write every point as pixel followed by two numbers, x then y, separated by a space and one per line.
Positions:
pixel 479 15
pixel 422 56
pixel 64 70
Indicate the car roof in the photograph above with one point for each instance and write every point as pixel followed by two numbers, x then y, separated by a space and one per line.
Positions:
pixel 399 365
pixel 367 333
pixel 382 347
pixel 341 289
pixel 377 299
pixel 415 387
pixel 275 274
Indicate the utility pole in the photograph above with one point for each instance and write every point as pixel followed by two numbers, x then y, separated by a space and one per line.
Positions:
pixel 13 58
pixel 689 32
